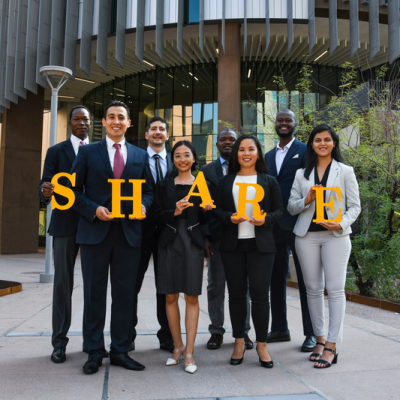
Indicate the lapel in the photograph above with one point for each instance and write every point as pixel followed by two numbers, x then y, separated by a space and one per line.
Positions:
pixel 130 159
pixel 262 181
pixel 170 165
pixel 230 178
pixel 291 152
pixel 69 150
pixel 333 173
pixel 102 146
pixel 271 163
pixel 218 169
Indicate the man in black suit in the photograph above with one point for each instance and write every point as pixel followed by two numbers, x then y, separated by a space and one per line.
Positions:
pixel 213 172
pixel 283 161
pixel 110 244
pixel 161 166
pixel 63 227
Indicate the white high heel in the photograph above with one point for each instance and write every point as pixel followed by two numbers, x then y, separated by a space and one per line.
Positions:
pixel 172 361
pixel 190 368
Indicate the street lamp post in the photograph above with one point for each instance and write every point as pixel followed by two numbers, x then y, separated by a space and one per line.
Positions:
pixel 58 75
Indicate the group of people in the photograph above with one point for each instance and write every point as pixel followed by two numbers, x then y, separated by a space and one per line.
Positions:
pixel 250 254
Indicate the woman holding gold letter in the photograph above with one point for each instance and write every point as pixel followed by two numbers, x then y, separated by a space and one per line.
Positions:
pixel 181 257
pixel 249 203
pixel 324 247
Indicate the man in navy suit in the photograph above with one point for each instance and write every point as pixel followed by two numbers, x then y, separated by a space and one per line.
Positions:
pixel 109 245
pixel 161 166
pixel 63 227
pixel 283 162
pixel 213 172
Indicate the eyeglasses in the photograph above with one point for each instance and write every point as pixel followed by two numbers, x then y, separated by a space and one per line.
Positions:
pixel 179 157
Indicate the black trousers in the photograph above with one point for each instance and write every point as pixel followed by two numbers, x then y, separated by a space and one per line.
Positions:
pixel 149 247
pixel 244 264
pixel 284 240
pixel 115 255
pixel 65 251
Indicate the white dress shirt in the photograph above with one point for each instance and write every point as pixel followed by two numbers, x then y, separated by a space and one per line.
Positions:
pixel 76 143
pixel 224 167
pixel 281 154
pixel 246 229
pixel 152 161
pixel 111 150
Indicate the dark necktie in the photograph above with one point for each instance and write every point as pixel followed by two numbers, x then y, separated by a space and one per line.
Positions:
pixel 225 167
pixel 158 168
pixel 118 162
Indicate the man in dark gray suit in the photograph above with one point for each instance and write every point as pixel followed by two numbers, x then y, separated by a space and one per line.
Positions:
pixel 213 172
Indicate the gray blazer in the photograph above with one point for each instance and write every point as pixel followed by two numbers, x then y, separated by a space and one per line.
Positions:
pixel 340 175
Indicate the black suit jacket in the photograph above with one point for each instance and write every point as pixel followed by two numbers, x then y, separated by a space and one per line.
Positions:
pixel 166 200
pixel 59 158
pixel 213 173
pixel 150 223
pixel 271 204
pixel 93 169
pixel 295 159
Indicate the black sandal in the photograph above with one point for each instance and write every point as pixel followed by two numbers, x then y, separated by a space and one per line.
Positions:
pixel 326 363
pixel 317 354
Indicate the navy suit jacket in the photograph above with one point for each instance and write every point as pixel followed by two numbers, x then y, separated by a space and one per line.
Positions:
pixel 59 158
pixel 295 159
pixel 93 169
pixel 213 173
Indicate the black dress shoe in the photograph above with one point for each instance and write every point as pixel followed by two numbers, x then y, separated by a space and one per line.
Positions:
pixel 215 341
pixel 248 342
pixel 85 350
pixel 278 337
pixel 265 364
pixel 309 344
pixel 238 361
pixel 123 360
pixel 132 348
pixel 167 346
pixel 58 355
pixel 92 365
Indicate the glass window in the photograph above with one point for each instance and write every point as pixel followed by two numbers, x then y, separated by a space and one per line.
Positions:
pixel 192 11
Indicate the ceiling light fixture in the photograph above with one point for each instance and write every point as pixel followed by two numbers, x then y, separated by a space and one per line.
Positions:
pixel 119 90
pixel 217 51
pixel 67 97
pixel 84 80
pixel 152 65
pixel 249 73
pixel 321 55
pixel 152 87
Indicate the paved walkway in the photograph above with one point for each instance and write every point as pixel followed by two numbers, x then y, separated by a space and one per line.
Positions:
pixel 368 366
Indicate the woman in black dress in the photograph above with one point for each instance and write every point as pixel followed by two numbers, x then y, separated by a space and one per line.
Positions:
pixel 247 245
pixel 181 257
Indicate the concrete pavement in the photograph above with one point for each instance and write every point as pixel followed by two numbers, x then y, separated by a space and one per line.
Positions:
pixel 368 364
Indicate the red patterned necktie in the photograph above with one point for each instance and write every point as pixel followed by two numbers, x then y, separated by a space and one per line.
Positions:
pixel 118 162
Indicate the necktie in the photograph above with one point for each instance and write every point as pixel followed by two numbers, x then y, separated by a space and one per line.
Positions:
pixel 82 143
pixel 118 162
pixel 225 167
pixel 158 167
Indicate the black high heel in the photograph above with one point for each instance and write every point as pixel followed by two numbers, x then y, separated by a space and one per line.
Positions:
pixel 326 363
pixel 317 354
pixel 238 361
pixel 265 364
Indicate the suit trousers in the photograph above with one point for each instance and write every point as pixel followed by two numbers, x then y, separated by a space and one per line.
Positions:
pixel 65 252
pixel 116 256
pixel 246 267
pixel 324 258
pixel 284 242
pixel 216 293
pixel 149 247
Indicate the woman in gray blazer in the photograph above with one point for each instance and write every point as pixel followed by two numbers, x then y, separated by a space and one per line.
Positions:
pixel 324 247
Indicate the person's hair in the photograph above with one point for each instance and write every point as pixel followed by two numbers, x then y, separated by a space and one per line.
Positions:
pixel 116 103
pixel 312 157
pixel 230 130
pixel 234 166
pixel 190 146
pixel 154 119
pixel 75 108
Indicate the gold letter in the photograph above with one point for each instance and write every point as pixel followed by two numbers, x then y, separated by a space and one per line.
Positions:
pixel 117 198
pixel 63 191
pixel 203 193
pixel 319 206
pixel 241 212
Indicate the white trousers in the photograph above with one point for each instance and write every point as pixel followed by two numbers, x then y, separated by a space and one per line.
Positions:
pixel 322 254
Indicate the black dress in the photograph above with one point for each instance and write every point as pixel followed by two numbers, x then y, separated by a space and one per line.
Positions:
pixel 181 262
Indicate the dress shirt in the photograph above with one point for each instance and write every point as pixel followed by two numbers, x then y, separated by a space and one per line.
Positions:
pixel 111 150
pixel 152 161
pixel 280 155
pixel 224 167
pixel 76 143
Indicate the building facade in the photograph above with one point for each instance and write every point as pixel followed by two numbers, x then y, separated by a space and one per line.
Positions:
pixel 200 64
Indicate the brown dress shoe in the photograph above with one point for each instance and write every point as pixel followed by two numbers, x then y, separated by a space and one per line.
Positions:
pixel 215 341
